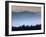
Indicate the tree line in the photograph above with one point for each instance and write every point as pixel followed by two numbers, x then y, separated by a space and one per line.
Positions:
pixel 23 27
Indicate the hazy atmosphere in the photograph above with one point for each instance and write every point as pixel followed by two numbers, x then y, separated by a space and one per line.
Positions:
pixel 27 15
pixel 26 8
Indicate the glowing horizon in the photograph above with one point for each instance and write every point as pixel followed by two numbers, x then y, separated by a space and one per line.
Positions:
pixel 20 18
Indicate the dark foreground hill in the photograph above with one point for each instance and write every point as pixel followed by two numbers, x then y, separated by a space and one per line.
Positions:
pixel 23 27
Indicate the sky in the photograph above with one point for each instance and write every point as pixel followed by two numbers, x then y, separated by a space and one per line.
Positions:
pixel 26 8
pixel 25 15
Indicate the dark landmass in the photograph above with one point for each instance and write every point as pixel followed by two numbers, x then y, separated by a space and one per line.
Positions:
pixel 23 27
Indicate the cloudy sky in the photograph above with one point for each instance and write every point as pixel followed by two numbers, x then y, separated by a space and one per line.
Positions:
pixel 26 8
pixel 27 15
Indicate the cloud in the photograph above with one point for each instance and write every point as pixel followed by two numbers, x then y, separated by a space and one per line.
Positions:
pixel 26 8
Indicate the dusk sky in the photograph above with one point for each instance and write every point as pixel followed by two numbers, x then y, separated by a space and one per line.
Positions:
pixel 25 15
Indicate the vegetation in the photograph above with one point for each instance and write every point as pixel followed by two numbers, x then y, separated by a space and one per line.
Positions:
pixel 23 27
